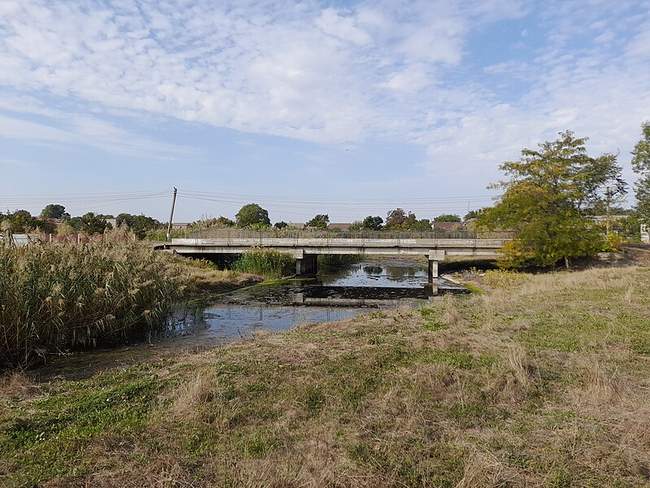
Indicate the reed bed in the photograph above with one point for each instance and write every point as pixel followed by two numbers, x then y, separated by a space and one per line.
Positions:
pixel 271 264
pixel 60 297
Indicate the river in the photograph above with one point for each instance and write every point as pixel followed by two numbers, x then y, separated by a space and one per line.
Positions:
pixel 335 294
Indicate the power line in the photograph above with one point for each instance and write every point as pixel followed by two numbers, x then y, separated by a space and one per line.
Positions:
pixel 326 198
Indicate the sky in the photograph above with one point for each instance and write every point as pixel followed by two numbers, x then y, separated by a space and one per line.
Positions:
pixel 348 108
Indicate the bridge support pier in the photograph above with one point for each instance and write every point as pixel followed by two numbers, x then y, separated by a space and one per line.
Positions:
pixel 433 270
pixel 435 256
pixel 307 265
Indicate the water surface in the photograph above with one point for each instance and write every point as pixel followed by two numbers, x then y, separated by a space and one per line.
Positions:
pixel 335 294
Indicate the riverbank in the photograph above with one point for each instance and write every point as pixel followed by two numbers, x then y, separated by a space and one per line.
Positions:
pixel 537 381
pixel 202 278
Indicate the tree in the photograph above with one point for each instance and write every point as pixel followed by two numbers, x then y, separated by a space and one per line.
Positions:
pixel 372 223
pixel 224 222
pixel 447 218
pixel 398 219
pixel 45 226
pixel 281 225
pixel 21 221
pixel 546 198
pixel 641 166
pixel 138 224
pixel 320 221
pixel 54 211
pixel 395 219
pixel 90 223
pixel 252 215
pixel 421 225
pixel 473 214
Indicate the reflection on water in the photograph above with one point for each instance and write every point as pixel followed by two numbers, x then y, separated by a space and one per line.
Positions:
pixel 333 295
pixel 222 323
pixel 395 273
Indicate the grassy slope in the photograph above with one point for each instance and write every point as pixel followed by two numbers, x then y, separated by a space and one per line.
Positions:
pixel 541 381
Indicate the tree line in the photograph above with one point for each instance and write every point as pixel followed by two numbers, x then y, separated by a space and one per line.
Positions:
pixel 54 219
pixel 254 216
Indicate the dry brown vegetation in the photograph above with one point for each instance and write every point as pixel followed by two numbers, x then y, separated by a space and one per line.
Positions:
pixel 539 381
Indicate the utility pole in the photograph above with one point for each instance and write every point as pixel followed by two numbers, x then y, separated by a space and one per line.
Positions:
pixel 171 216
pixel 608 196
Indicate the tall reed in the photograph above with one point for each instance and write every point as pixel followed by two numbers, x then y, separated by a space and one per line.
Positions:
pixel 267 263
pixel 60 296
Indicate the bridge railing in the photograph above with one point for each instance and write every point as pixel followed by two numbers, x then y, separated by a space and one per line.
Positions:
pixel 231 233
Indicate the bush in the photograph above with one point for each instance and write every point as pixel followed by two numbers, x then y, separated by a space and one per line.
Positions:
pixel 613 242
pixel 267 263
pixel 61 297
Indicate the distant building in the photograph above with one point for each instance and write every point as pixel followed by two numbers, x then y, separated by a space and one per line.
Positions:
pixel 342 226
pixel 605 218
pixel 447 226
pixel 19 240
pixel 180 225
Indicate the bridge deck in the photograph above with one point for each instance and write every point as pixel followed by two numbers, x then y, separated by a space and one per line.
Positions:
pixel 298 246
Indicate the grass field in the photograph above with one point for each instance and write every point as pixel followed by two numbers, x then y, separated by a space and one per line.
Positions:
pixel 539 380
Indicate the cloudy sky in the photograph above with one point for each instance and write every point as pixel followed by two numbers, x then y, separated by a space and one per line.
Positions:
pixel 341 107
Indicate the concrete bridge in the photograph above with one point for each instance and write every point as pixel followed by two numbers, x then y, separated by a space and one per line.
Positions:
pixel 306 249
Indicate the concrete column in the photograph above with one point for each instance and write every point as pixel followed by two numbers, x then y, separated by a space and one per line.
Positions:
pixel 433 270
pixel 307 265
pixel 435 256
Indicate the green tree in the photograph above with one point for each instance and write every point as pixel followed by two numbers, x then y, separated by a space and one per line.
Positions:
pixel 395 219
pixel 372 223
pixel 419 225
pixel 21 221
pixel 252 215
pixel 447 218
pixel 320 221
pixel 473 214
pixel 138 224
pixel 546 198
pixel 224 222
pixel 45 226
pixel 54 211
pixel 641 166
pixel 398 219
pixel 90 223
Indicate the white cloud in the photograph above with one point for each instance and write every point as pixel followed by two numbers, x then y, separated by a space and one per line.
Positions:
pixel 87 130
pixel 396 69
pixel 411 79
pixel 272 67
pixel 343 27
pixel 597 93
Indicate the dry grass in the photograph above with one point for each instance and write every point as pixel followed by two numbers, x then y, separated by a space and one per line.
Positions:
pixel 540 384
